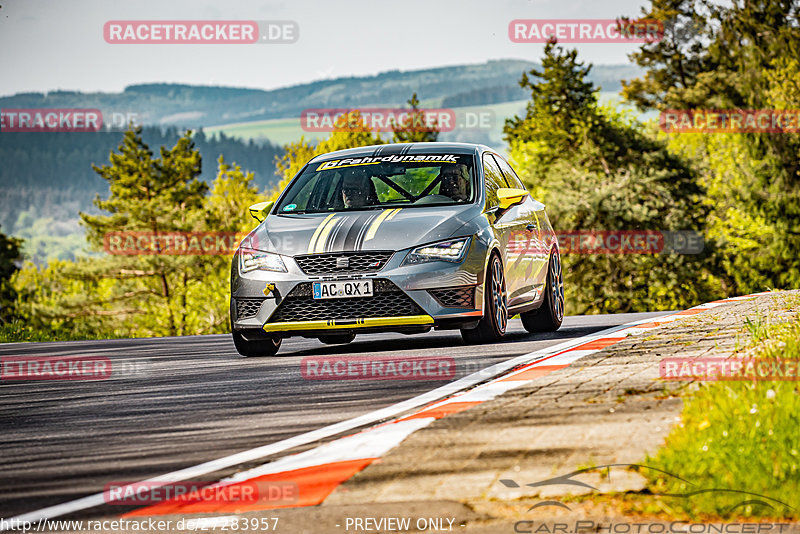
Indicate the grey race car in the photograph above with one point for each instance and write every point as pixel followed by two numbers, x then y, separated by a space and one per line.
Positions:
pixel 400 238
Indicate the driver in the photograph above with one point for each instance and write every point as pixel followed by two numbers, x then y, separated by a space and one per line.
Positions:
pixel 355 188
pixel 455 181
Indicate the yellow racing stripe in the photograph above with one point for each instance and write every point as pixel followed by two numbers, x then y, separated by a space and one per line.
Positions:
pixel 323 236
pixel 312 243
pixel 373 229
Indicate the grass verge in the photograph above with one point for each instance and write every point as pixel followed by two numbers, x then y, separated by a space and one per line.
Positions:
pixel 737 444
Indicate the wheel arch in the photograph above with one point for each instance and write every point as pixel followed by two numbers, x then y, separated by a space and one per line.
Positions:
pixel 492 249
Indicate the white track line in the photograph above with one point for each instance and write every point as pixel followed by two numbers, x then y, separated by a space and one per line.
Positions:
pixel 98 499
pixel 373 444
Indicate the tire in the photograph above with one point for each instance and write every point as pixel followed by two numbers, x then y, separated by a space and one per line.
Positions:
pixel 337 339
pixel 492 326
pixel 256 348
pixel 549 316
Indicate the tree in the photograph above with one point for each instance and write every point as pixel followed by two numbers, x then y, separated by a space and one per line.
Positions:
pixel 148 194
pixel 10 256
pixel 741 56
pixel 597 169
pixel 232 192
pixel 713 55
pixel 417 128
pixel 561 104
pixel 676 62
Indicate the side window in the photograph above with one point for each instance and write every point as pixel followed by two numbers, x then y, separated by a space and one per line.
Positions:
pixel 494 180
pixel 511 176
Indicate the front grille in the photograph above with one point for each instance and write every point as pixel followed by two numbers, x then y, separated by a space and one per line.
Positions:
pixel 357 262
pixel 247 307
pixel 455 297
pixel 388 301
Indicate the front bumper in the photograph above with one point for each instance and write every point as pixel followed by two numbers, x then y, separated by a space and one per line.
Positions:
pixel 414 298
pixel 350 324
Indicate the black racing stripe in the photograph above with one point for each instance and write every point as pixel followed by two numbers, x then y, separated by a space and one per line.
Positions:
pixel 390 150
pixel 337 231
pixel 349 241
pixel 332 234
pixel 359 241
pixel 338 241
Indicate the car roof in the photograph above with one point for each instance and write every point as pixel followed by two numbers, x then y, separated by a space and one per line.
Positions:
pixel 405 148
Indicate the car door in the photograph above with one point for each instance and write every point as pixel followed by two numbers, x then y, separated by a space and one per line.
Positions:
pixel 530 261
pixel 508 225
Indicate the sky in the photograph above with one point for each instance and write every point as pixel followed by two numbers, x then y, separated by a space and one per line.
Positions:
pixel 59 45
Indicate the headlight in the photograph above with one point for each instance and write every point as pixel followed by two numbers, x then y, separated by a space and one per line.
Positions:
pixel 250 260
pixel 452 250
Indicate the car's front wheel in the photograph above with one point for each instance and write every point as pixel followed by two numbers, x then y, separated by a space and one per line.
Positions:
pixel 495 308
pixel 267 346
pixel 548 316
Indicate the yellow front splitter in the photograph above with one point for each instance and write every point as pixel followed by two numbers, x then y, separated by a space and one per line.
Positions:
pixel 339 324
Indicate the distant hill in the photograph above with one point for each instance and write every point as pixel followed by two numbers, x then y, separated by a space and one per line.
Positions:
pixel 198 106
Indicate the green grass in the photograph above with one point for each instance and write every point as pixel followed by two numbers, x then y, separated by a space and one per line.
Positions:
pixel 740 436
pixel 758 327
pixel 278 131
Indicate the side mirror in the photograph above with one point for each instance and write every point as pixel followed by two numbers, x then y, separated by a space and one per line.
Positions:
pixel 508 197
pixel 260 211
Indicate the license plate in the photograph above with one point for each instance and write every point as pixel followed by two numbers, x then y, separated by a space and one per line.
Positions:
pixel 341 289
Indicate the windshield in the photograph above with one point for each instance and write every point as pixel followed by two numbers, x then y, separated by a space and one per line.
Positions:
pixel 383 181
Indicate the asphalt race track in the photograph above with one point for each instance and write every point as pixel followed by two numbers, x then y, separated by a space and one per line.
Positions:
pixel 184 401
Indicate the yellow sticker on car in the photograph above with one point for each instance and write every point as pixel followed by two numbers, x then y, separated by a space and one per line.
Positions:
pixel 313 242
pixel 385 216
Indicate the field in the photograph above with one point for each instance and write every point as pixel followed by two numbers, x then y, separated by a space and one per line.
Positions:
pixel 481 124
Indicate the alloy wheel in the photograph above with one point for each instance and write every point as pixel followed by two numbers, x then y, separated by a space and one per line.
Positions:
pixel 499 298
pixel 557 288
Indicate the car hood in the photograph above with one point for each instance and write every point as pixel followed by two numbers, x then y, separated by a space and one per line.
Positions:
pixel 388 229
